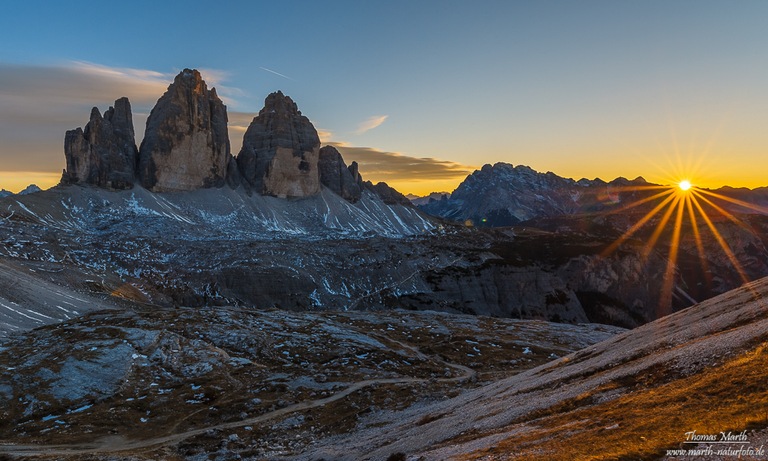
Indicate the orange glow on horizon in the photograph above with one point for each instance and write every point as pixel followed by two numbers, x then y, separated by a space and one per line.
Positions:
pixel 16 181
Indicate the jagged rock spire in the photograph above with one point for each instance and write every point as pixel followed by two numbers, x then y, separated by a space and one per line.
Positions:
pixel 186 145
pixel 104 154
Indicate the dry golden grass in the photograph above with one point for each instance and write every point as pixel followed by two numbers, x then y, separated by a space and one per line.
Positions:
pixel 645 423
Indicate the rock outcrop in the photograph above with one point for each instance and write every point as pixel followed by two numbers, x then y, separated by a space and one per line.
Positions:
pixel 335 175
pixel 387 194
pixel 104 154
pixel 347 182
pixel 280 151
pixel 186 145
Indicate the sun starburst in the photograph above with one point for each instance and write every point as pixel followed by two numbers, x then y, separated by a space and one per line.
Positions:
pixel 675 206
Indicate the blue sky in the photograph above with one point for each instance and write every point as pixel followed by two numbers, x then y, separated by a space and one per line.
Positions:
pixel 419 92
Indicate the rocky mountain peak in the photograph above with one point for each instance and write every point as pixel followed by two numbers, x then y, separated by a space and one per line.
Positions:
pixel 503 194
pixel 30 189
pixel 388 194
pixel 186 147
pixel 186 144
pixel 280 104
pixel 192 79
pixel 280 151
pixel 121 118
pixel 103 154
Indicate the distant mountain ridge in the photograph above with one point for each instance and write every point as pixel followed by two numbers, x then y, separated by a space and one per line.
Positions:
pixel 30 189
pixel 504 195
pixel 423 200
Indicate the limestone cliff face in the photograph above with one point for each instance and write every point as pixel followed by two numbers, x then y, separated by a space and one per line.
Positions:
pixel 186 145
pixel 104 154
pixel 280 151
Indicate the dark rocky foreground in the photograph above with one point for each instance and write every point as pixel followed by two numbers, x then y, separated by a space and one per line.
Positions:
pixel 188 383
pixel 149 382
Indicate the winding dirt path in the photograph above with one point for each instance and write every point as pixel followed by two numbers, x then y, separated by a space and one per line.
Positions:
pixel 113 444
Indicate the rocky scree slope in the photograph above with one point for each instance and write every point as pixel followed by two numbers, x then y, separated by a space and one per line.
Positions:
pixel 222 246
pixel 218 247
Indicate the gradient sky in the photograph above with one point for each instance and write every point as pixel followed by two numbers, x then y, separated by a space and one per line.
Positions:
pixel 420 93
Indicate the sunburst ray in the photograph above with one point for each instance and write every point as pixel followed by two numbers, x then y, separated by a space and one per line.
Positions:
pixel 611 248
pixel 665 303
pixel 721 241
pixel 747 205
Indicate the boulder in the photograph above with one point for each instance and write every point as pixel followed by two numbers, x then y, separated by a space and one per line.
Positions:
pixel 186 145
pixel 280 151
pixel 104 154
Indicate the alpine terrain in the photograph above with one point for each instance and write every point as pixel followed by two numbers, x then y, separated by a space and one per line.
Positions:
pixel 170 299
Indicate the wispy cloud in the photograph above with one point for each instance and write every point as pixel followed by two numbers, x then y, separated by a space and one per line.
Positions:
pixel 325 135
pixel 238 124
pixel 370 123
pixel 276 73
pixel 378 165
pixel 38 104
pixel 216 78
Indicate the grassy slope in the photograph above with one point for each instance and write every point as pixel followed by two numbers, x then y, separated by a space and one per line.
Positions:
pixel 645 423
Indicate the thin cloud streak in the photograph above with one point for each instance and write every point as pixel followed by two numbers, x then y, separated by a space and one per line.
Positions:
pixel 371 123
pixel 387 166
pixel 38 104
pixel 276 73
